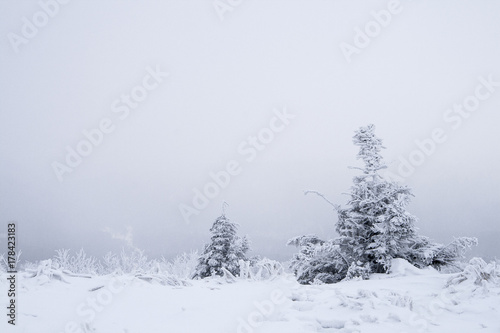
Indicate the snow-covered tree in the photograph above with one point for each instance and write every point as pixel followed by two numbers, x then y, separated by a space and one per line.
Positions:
pixel 224 250
pixel 375 227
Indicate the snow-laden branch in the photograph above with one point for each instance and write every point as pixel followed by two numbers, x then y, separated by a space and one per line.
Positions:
pixel 336 207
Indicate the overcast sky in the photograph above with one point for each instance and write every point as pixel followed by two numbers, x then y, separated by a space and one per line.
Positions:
pixel 231 70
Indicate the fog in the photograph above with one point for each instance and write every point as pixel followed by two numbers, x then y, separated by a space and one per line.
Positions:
pixel 267 93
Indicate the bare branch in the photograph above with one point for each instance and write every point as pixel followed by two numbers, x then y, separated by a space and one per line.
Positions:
pixel 224 205
pixel 336 207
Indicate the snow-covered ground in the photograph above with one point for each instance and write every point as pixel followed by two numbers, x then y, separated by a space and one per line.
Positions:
pixel 407 300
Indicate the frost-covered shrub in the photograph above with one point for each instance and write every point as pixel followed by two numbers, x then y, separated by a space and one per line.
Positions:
pixel 134 261
pixel 478 272
pixel 46 271
pixel 423 252
pixel 63 259
pixel 260 269
pixel 80 263
pixel 358 271
pixel 127 262
pixel 110 263
pixel 318 261
pixel 29 265
pixel 164 272
pixel 4 262
pixel 182 266
pixel 267 268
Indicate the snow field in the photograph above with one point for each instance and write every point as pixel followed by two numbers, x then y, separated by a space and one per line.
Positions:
pixel 406 300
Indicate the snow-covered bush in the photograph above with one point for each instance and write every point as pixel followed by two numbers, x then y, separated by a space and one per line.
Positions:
pixel 4 262
pixel 164 272
pixel 46 271
pixel 183 266
pixel 479 273
pixel 29 265
pixel 127 262
pixel 318 261
pixel 224 251
pixel 267 268
pixel 260 269
pixel 63 259
pixel 134 261
pixel 424 253
pixel 80 263
pixel 110 263
pixel 358 271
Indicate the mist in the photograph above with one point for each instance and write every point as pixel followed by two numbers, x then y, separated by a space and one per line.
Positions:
pixel 115 116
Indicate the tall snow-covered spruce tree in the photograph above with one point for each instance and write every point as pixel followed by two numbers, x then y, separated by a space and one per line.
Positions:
pixel 224 251
pixel 374 228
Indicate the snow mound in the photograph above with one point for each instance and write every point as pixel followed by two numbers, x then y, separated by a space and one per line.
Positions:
pixel 163 279
pixel 401 267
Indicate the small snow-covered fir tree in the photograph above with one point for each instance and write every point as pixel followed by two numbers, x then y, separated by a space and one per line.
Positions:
pixel 224 251
pixel 375 226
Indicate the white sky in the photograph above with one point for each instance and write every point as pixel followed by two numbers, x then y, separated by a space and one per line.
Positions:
pixel 225 79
